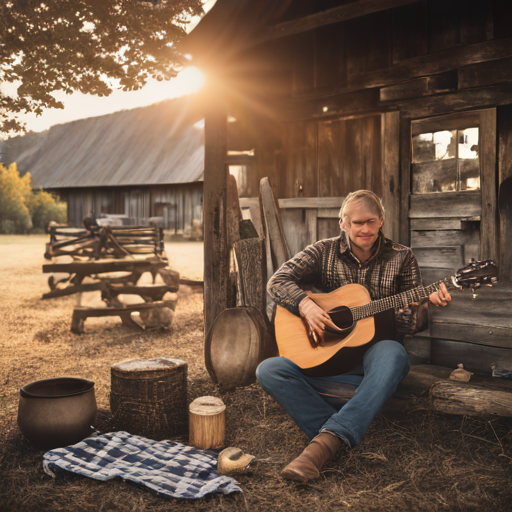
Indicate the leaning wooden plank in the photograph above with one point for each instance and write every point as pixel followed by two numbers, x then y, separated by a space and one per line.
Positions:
pixel 278 247
pixel 469 399
pixel 251 261
pixel 268 252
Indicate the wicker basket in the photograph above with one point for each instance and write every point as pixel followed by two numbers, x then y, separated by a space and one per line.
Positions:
pixel 148 397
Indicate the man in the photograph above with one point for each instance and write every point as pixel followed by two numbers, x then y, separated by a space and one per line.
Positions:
pixel 360 255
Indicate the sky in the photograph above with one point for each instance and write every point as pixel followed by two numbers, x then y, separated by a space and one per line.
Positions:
pixel 79 106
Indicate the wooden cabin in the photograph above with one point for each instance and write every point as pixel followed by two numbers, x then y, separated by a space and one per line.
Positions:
pixel 142 163
pixel 409 98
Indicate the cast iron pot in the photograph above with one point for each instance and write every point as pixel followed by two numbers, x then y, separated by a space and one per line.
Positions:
pixel 57 412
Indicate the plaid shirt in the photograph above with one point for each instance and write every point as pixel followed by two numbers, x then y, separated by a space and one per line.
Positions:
pixel 330 264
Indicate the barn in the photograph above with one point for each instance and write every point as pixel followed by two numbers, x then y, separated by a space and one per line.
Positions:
pixel 409 98
pixel 141 163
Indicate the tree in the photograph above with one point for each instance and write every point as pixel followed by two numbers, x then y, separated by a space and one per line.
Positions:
pixel 14 195
pixel 22 210
pixel 45 209
pixel 87 46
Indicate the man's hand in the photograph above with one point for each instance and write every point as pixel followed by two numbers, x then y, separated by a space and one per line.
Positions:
pixel 439 298
pixel 315 316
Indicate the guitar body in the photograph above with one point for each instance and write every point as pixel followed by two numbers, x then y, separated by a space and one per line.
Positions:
pixel 337 354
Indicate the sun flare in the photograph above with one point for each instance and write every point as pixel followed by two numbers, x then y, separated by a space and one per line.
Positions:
pixel 191 80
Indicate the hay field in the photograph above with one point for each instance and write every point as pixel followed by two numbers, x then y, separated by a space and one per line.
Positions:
pixel 411 459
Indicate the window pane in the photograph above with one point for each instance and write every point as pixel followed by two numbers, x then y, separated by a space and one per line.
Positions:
pixel 469 174
pixel 445 144
pixel 468 143
pixel 423 149
pixel 437 176
pixel 427 147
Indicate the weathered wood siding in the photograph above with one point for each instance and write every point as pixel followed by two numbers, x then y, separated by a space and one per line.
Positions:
pixel 356 91
pixel 390 45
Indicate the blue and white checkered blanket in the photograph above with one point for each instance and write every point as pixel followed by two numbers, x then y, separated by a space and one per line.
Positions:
pixel 171 469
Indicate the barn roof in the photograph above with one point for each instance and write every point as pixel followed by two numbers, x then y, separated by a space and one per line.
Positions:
pixel 151 145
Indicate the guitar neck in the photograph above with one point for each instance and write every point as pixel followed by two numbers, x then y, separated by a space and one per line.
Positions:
pixel 396 301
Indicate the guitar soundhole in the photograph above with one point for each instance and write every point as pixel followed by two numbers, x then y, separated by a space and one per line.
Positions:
pixel 341 317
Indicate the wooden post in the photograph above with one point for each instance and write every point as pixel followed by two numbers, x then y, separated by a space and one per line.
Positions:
pixel 216 249
pixel 505 173
pixel 487 153
pixel 207 422
pixel 405 180
pixel 390 126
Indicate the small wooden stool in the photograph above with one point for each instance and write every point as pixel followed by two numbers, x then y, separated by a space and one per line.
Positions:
pixel 149 397
pixel 207 422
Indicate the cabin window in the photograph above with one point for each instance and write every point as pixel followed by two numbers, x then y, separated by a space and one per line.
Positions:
pixel 451 188
pixel 445 161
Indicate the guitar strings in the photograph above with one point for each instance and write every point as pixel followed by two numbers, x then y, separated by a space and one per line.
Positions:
pixel 395 301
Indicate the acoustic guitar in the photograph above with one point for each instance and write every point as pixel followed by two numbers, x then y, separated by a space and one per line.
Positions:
pixel 361 322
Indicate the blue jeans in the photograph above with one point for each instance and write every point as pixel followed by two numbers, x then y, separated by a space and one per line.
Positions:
pixel 323 404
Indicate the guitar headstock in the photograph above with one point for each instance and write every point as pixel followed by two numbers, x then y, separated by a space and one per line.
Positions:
pixel 476 274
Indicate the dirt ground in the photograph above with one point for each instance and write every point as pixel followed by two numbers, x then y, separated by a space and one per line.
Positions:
pixel 411 459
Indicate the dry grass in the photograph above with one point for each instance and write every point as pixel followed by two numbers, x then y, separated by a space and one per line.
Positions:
pixel 411 459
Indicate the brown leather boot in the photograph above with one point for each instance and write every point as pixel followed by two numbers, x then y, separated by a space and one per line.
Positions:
pixel 307 465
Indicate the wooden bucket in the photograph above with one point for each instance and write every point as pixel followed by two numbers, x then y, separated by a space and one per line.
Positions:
pixel 207 422
pixel 236 343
